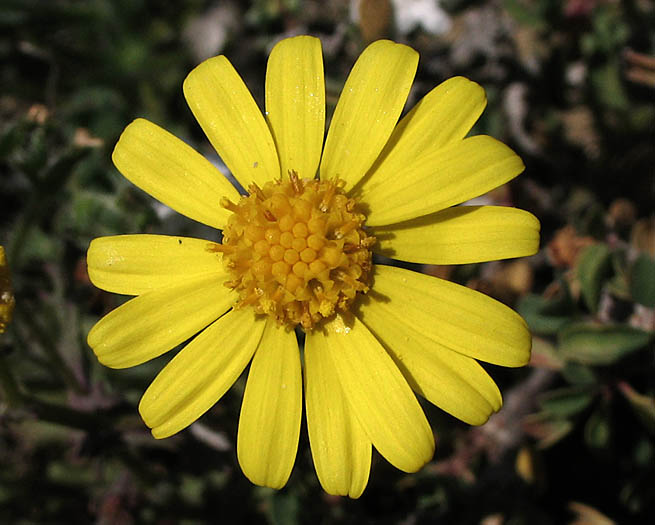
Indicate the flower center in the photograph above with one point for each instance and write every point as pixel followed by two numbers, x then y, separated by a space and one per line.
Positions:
pixel 296 250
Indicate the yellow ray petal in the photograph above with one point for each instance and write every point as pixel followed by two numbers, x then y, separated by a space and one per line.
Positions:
pixel 441 178
pixel 153 323
pixel 341 450
pixel 454 316
pixel 295 103
pixel 269 424
pixel 464 234
pixel 368 109
pixel 444 115
pixel 135 264
pixel 199 375
pixel 172 172
pixel 378 394
pixel 452 381
pixel 233 123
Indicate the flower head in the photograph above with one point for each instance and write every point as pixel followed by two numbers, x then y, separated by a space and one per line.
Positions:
pixel 297 253
pixel 297 250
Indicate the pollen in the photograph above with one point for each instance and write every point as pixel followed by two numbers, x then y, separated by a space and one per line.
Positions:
pixel 296 250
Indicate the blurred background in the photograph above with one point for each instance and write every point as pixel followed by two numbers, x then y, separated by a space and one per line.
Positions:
pixel 571 86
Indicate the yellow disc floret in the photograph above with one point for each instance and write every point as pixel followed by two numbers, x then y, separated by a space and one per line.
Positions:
pixel 296 250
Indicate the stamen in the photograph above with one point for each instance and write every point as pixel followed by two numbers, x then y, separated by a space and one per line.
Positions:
pixel 306 318
pixel 342 230
pixel 253 189
pixel 296 250
pixel 324 206
pixel 219 248
pixel 278 294
pixel 367 242
pixel 250 299
pixel 350 280
pixel 295 181
pixel 229 205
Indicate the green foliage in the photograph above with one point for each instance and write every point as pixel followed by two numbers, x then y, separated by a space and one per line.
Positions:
pixel 597 430
pixel 642 280
pixel 593 267
pixel 643 406
pixel 593 338
pixel 546 316
pixel 594 344
pixel 566 402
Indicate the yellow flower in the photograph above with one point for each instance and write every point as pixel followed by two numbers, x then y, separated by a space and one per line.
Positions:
pixel 296 253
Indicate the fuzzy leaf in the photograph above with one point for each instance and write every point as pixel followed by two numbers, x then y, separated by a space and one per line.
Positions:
pixel 538 313
pixel 547 429
pixel 642 280
pixel 579 374
pixel 594 266
pixel 597 431
pixel 566 402
pixel 643 405
pixel 600 345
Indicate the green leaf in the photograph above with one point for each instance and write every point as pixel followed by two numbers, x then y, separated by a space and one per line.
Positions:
pixel 545 355
pixel 597 431
pixel 644 453
pixel 619 288
pixel 538 313
pixel 547 429
pixel 594 344
pixel 578 374
pixel 59 172
pixel 643 406
pixel 608 87
pixel 594 266
pixel 11 138
pixel 526 14
pixel 642 280
pixel 191 489
pixel 566 402
pixel 284 508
